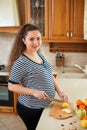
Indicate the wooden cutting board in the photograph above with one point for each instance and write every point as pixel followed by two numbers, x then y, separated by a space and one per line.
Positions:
pixel 57 111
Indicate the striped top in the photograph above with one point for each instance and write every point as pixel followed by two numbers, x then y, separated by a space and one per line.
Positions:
pixel 35 76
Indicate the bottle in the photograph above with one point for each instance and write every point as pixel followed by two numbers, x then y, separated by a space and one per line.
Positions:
pixel 63 59
pixel 58 59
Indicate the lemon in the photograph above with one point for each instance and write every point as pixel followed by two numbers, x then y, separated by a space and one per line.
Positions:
pixel 65 105
pixel 83 123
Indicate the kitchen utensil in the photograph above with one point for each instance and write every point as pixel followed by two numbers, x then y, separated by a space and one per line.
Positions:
pixel 54 99
pixel 78 66
pixel 57 111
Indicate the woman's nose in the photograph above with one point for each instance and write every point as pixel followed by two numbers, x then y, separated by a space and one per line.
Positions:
pixel 35 41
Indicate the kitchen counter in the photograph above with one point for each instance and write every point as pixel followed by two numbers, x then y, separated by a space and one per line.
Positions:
pixel 69 72
pixel 76 89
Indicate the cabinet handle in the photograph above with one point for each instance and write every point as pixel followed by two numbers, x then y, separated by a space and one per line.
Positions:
pixel 71 34
pixel 67 34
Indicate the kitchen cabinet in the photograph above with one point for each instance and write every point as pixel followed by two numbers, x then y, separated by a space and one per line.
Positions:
pixel 23 12
pixel 37 13
pixel 66 18
pixel 12 15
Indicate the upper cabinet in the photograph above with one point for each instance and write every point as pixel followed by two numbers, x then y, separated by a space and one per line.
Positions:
pixel 12 15
pixel 66 18
pixel 16 13
pixel 59 20
pixel 37 13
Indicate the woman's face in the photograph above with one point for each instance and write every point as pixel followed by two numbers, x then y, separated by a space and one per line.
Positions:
pixel 33 41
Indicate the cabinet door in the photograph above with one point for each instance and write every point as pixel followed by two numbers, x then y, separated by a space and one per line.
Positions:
pixel 12 15
pixel 59 13
pixel 37 13
pixel 77 19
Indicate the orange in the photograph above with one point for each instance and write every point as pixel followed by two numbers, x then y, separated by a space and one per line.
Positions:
pixel 85 118
pixel 79 102
pixel 82 106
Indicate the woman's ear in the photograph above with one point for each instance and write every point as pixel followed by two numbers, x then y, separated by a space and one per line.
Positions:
pixel 23 40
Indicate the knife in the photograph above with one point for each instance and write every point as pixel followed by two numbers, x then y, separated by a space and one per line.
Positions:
pixel 55 100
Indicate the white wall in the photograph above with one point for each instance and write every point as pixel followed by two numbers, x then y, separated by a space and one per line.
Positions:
pixel 6 42
pixel 8 13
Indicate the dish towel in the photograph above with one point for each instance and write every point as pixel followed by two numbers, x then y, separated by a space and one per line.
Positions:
pixel 85 20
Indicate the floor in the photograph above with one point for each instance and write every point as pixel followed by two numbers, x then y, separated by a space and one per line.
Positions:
pixel 11 121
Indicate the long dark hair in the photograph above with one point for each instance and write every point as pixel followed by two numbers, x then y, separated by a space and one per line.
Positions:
pixel 18 46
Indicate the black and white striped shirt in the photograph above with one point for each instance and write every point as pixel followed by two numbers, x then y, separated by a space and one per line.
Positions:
pixel 33 75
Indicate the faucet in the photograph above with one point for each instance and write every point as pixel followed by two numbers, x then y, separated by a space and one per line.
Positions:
pixel 84 70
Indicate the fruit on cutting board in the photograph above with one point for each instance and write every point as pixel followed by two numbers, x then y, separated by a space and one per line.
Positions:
pixel 65 105
pixel 81 113
pixel 66 110
pixel 83 123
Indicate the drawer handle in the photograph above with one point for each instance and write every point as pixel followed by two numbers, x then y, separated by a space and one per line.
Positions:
pixel 67 34
pixel 71 34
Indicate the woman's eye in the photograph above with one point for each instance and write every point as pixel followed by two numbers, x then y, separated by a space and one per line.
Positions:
pixel 38 38
pixel 31 39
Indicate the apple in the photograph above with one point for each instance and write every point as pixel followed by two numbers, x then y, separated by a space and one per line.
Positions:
pixel 83 123
pixel 65 105
pixel 81 113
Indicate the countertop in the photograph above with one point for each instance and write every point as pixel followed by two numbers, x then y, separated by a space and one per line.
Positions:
pixel 69 72
pixel 76 89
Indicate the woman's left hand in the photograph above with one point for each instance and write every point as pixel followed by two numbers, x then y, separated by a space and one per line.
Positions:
pixel 63 96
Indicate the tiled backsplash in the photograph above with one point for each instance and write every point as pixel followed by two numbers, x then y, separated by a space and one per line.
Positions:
pixel 6 42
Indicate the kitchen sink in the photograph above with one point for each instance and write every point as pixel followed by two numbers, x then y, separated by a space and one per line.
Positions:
pixel 72 72
pixel 73 75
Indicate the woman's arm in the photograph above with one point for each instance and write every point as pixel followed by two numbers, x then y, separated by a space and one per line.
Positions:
pixel 20 89
pixel 61 94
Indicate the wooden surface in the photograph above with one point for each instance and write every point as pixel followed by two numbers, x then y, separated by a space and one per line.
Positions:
pixel 57 111
pixel 63 18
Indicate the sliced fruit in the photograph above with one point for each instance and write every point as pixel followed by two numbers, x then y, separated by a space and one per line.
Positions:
pixel 67 110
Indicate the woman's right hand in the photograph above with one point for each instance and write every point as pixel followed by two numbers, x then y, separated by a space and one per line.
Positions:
pixel 39 94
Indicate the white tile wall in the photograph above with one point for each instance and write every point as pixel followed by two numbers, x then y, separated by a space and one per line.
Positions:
pixel 6 42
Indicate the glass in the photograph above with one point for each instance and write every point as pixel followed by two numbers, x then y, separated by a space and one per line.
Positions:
pixel 6 96
pixel 4 93
pixel 38 14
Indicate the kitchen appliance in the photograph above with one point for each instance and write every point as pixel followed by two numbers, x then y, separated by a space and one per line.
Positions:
pixel 6 97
